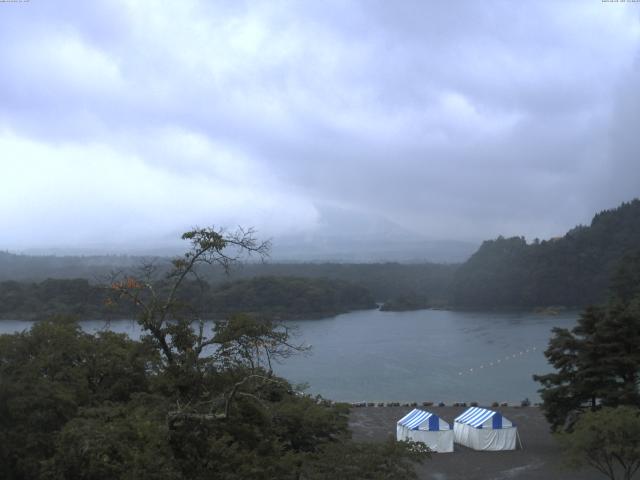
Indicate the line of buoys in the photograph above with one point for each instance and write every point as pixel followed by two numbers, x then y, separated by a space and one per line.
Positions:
pixel 493 363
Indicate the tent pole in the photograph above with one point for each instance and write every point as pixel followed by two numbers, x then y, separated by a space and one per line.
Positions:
pixel 519 440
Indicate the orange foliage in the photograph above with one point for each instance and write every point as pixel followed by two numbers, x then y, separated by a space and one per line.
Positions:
pixel 128 283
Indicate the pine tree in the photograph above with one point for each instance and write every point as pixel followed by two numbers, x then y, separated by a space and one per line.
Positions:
pixel 597 362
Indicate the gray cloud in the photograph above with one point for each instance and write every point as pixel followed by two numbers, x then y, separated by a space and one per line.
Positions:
pixel 133 120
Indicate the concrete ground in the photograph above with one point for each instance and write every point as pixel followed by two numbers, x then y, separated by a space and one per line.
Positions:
pixel 538 460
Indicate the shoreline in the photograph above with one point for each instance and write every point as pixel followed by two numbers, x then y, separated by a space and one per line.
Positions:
pixel 550 311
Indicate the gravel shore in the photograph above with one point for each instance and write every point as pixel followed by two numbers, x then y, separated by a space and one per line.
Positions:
pixel 539 458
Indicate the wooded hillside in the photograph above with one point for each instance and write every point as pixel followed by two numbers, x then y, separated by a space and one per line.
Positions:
pixel 573 270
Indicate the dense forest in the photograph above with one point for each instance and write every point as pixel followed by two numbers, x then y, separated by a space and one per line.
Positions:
pixel 407 302
pixel 573 270
pixel 385 281
pixel 286 297
pixel 270 297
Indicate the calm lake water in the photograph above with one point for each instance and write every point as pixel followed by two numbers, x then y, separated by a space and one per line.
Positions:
pixel 426 355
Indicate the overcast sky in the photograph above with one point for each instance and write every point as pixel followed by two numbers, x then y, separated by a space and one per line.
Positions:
pixel 124 122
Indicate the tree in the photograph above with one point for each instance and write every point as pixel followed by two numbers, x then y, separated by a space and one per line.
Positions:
pixel 52 372
pixel 124 441
pixel 167 321
pixel 597 362
pixel 582 378
pixel 244 348
pixel 246 343
pixel 625 285
pixel 607 440
pixel 162 314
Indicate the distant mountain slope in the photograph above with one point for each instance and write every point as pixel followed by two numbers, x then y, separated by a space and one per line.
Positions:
pixel 40 267
pixel 348 236
pixel 574 270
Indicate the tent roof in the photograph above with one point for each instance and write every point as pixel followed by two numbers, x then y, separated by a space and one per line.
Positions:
pixel 417 417
pixel 476 416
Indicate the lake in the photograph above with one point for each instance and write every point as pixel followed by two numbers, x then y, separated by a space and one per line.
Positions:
pixel 425 355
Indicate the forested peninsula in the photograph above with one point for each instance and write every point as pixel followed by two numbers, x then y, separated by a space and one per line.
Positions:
pixel 274 298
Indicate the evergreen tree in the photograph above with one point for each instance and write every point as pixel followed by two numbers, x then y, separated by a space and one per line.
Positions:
pixel 597 362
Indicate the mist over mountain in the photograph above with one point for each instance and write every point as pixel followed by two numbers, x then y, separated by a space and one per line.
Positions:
pixel 357 237
pixel 341 235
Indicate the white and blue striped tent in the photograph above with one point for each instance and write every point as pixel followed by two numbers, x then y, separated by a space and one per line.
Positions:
pixel 483 429
pixel 426 427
